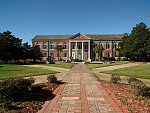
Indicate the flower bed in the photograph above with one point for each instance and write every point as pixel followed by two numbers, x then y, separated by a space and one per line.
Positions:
pixel 33 102
pixel 123 92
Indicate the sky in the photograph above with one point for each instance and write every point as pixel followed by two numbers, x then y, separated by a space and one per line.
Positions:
pixel 28 18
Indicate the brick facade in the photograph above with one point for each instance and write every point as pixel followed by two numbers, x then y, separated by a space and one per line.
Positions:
pixel 78 39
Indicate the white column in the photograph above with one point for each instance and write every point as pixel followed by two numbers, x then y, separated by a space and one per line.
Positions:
pixel 89 52
pixel 76 50
pixel 82 50
pixel 69 49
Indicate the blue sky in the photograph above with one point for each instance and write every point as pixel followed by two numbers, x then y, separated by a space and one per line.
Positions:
pixel 28 18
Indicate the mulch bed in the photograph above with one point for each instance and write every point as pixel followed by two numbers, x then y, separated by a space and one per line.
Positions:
pixel 123 92
pixel 33 102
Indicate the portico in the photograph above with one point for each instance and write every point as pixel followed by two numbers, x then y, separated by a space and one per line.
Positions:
pixel 79 49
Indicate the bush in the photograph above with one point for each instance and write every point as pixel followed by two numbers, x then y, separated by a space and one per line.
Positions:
pixel 15 88
pixel 52 79
pixel 139 88
pixel 115 79
pixel 105 58
pixel 37 87
pixel 6 104
pixel 131 79
pixel 111 58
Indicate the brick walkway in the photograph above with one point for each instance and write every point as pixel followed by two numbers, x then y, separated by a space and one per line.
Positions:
pixel 81 93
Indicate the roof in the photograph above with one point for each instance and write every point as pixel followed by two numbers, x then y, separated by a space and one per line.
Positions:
pixel 70 37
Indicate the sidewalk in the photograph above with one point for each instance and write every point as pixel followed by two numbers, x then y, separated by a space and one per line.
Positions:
pixel 107 77
pixel 81 93
pixel 43 78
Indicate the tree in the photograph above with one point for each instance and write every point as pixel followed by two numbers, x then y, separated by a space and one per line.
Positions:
pixel 10 47
pixel 26 51
pixel 35 53
pixel 135 45
pixel 99 49
pixel 59 49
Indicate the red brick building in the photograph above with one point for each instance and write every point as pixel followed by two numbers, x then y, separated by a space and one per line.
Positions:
pixel 84 48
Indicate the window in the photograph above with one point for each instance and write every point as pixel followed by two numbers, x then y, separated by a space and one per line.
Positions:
pixel 94 44
pixel 44 54
pixel 52 54
pixel 85 46
pixel 73 45
pixel 58 55
pixel 86 55
pixel 51 45
pixel 101 44
pixel 79 45
pixel 65 54
pixel 65 45
pixel 93 55
pixel 115 45
pixel 44 45
pixel 108 54
pixel 107 45
pixel 38 44
pixel 58 43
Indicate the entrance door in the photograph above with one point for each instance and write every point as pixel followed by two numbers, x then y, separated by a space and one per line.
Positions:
pixel 73 55
pixel 86 55
pixel 79 56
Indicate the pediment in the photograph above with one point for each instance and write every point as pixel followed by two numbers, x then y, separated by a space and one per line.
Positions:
pixel 80 36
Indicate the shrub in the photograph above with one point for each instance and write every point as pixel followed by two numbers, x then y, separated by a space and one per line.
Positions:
pixel 131 79
pixel 37 87
pixel 52 79
pixel 115 79
pixel 105 58
pixel 6 104
pixel 15 88
pixel 139 88
pixel 111 58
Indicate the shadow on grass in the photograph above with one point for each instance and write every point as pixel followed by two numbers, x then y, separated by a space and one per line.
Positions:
pixel 12 70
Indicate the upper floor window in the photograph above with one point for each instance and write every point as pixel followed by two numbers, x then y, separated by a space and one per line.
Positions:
pixel 51 45
pixel 73 45
pixel 44 45
pixel 65 45
pixel 107 45
pixel 101 44
pixel 115 45
pixel 85 46
pixel 38 44
pixel 58 43
pixel 79 45
pixel 94 44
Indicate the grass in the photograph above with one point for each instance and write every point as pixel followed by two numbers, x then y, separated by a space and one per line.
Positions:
pixel 66 66
pixel 14 71
pixel 139 71
pixel 92 66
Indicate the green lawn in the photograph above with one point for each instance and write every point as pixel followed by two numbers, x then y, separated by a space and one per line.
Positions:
pixel 92 66
pixel 139 71
pixel 67 66
pixel 12 70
